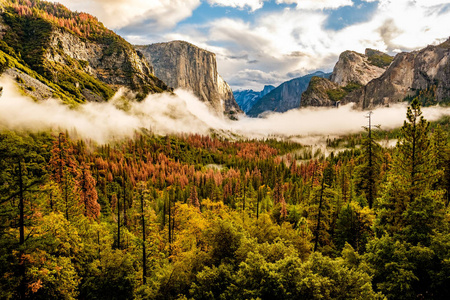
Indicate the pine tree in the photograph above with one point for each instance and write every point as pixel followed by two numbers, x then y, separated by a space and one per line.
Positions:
pixel 63 167
pixel 368 173
pixel 411 207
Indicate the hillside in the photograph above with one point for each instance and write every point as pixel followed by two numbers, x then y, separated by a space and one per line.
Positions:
pixel 70 55
pixel 285 97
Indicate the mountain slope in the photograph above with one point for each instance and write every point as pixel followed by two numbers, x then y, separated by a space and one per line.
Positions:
pixel 352 71
pixel 247 98
pixel 183 65
pixel 426 71
pixel 70 52
pixel 285 97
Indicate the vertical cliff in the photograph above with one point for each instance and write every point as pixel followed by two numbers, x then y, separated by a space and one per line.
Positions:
pixel 183 65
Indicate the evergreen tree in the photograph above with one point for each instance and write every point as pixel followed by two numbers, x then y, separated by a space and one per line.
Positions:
pixel 409 200
pixel 368 172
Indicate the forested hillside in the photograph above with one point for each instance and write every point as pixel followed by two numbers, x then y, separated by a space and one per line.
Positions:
pixel 53 52
pixel 195 217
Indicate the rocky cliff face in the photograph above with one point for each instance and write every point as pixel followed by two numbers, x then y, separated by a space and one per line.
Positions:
pixel 285 97
pixel 83 62
pixel 318 93
pixel 247 98
pixel 407 75
pixel 352 71
pixel 183 65
pixel 354 67
pixel 117 66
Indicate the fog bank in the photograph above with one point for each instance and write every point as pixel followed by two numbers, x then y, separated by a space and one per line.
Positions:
pixel 184 113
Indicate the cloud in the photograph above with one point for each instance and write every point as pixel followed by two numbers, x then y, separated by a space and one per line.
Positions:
pixel 241 4
pixel 252 78
pixel 154 14
pixel 183 113
pixel 317 4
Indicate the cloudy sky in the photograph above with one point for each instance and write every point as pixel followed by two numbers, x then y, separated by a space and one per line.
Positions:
pixel 260 42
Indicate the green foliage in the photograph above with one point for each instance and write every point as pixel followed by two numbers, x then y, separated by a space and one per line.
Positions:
pixel 336 94
pixel 352 86
pixel 339 93
pixel 381 60
pixel 223 219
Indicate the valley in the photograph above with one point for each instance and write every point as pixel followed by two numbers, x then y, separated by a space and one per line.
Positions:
pixel 135 171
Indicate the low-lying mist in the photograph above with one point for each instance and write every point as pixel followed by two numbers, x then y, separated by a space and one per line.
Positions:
pixel 184 113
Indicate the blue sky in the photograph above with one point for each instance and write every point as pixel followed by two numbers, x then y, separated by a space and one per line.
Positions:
pixel 260 42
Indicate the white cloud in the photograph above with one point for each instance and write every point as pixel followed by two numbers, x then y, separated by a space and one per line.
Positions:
pixel 157 14
pixel 431 2
pixel 318 4
pixel 183 113
pixel 252 4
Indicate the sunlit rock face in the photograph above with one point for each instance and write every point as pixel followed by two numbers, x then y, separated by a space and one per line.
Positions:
pixel 183 65
pixel 355 67
pixel 408 74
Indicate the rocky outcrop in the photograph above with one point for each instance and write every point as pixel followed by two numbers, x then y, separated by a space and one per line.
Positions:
pixel 116 64
pixel 353 67
pixel 320 93
pixel 407 75
pixel 183 65
pixel 285 97
pixel 352 71
pixel 247 98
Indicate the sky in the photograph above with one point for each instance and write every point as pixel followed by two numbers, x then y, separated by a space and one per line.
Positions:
pixel 259 42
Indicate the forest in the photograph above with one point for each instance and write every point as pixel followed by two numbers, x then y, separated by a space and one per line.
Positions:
pixel 203 217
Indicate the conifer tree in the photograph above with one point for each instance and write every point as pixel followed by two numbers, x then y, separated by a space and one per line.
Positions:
pixel 88 193
pixel 63 167
pixel 368 173
pixel 411 207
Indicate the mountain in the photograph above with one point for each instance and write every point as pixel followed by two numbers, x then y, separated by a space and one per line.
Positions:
pixel 352 71
pixel 52 51
pixel 285 97
pixel 353 67
pixel 424 73
pixel 183 65
pixel 318 92
pixel 247 98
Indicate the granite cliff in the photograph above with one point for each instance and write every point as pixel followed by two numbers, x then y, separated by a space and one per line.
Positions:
pixel 183 65
pixel 352 71
pixel 425 72
pixel 357 68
